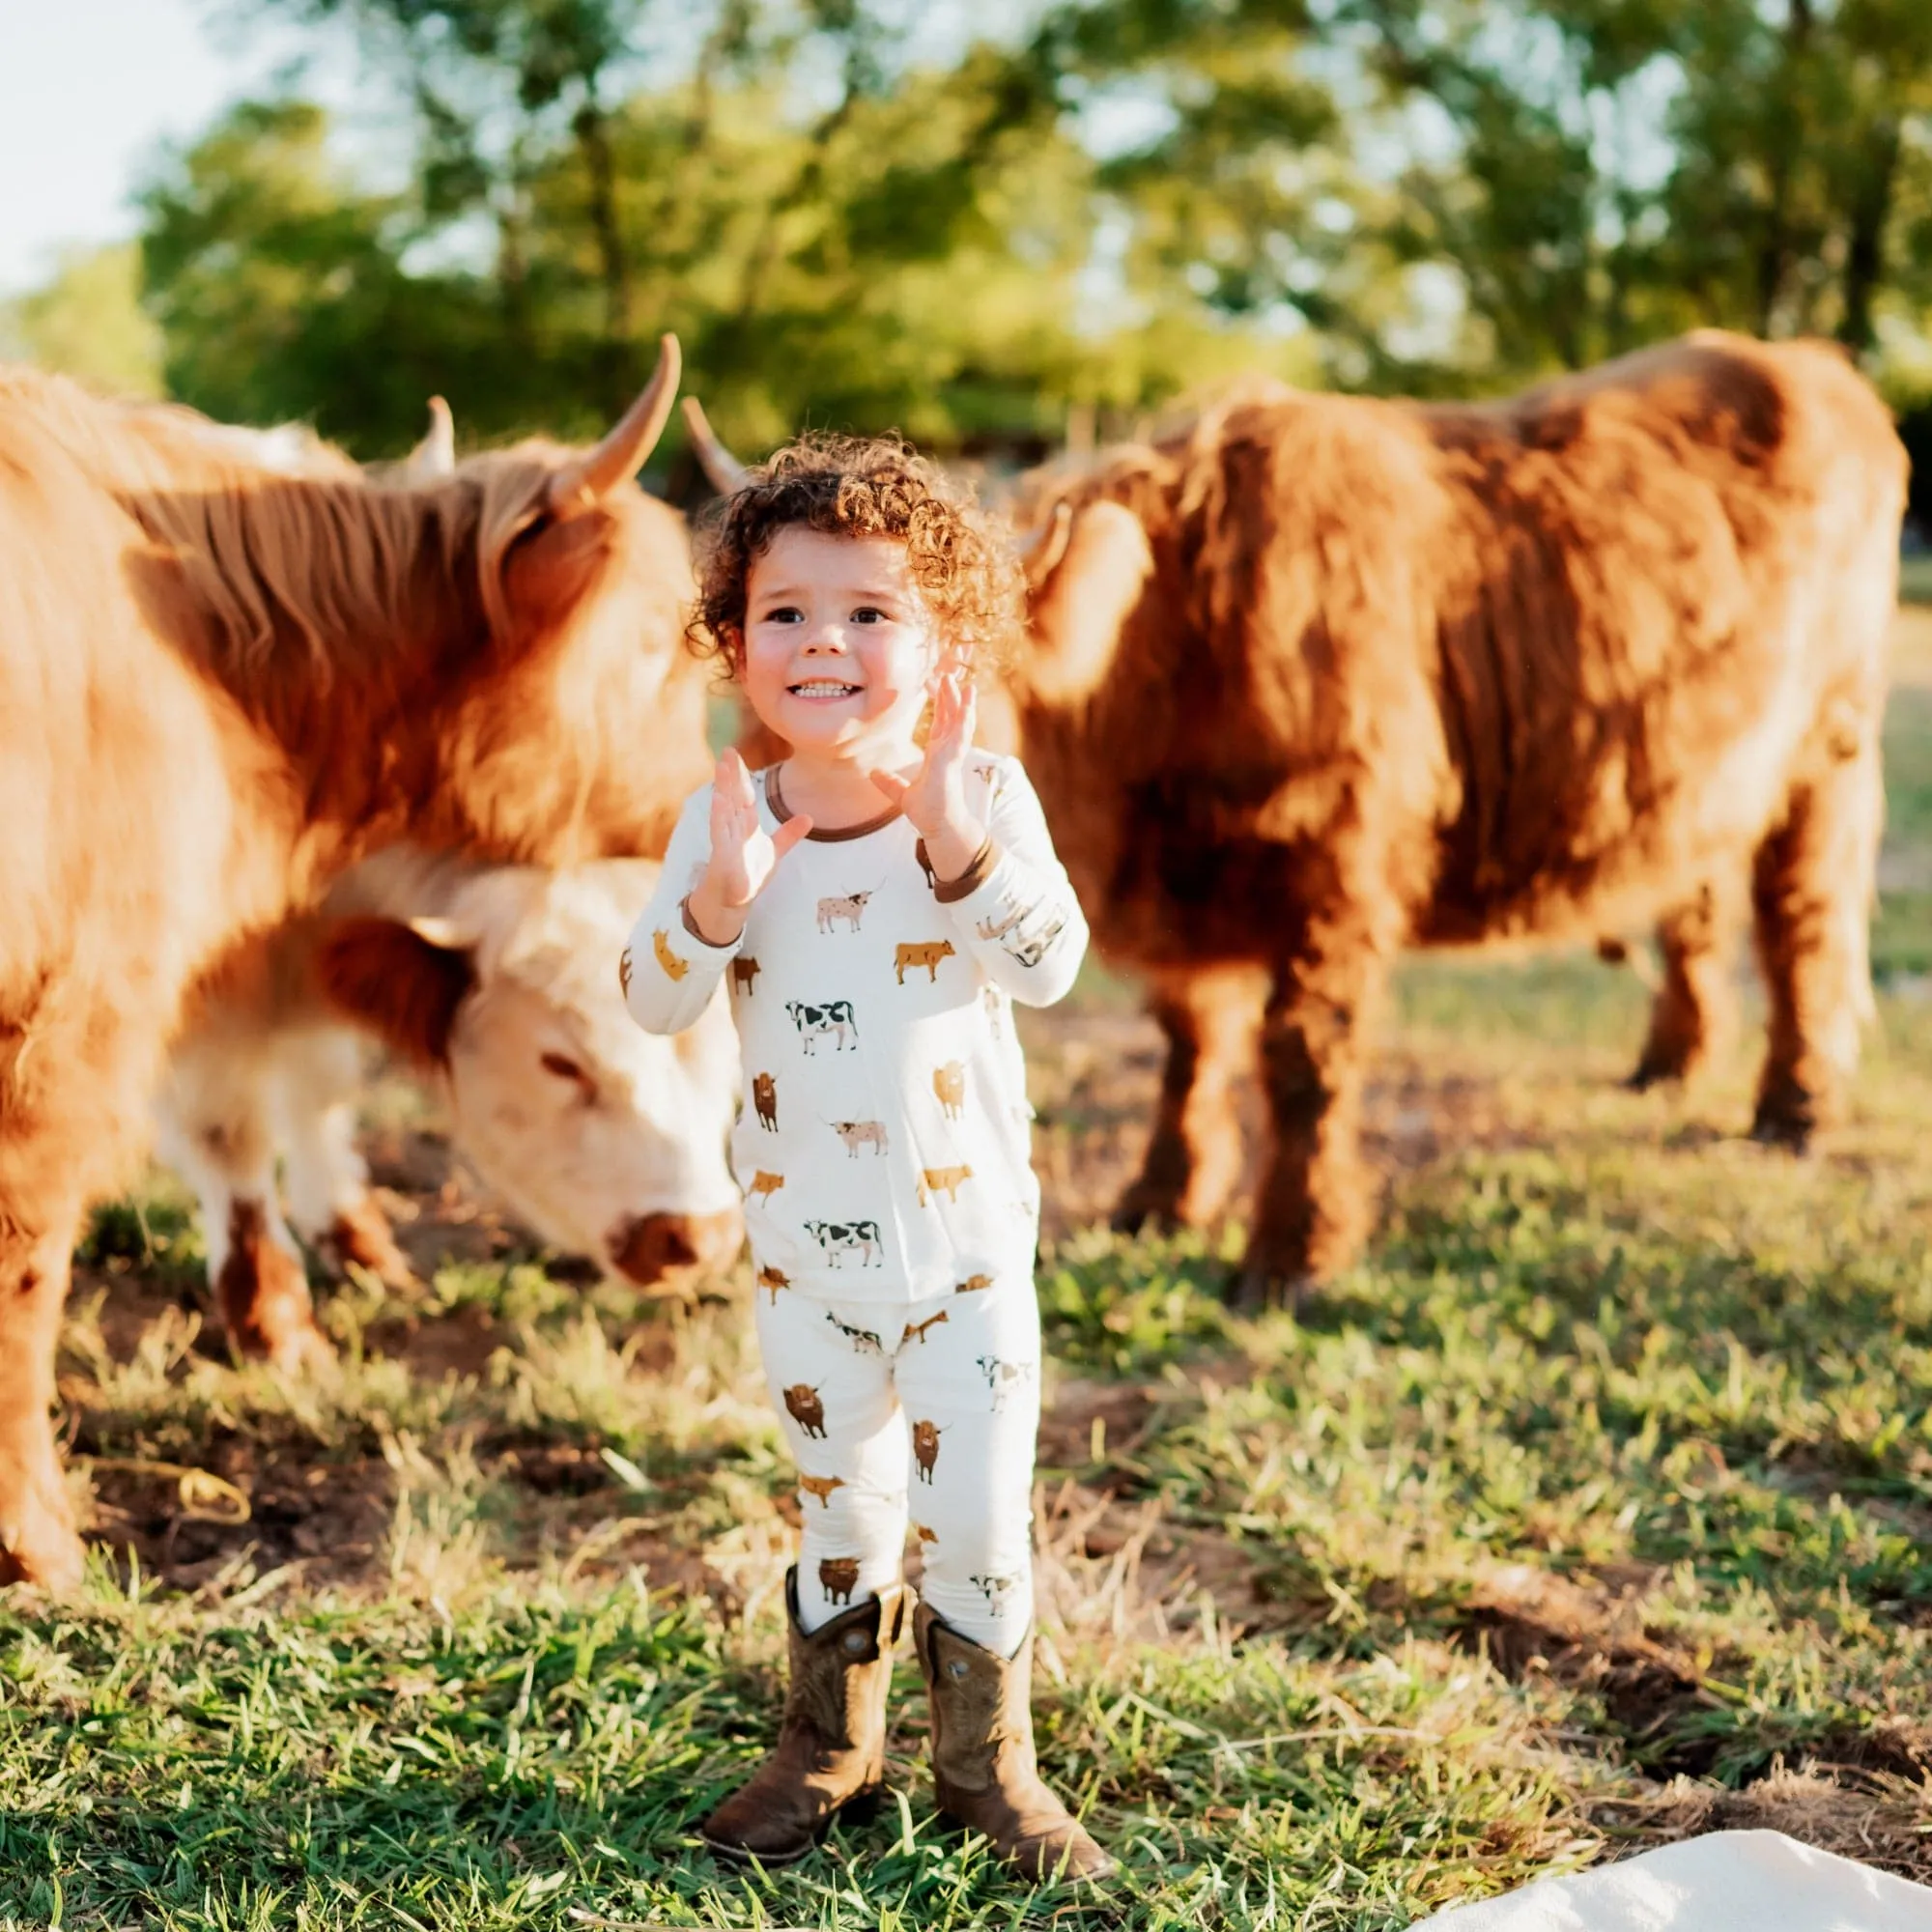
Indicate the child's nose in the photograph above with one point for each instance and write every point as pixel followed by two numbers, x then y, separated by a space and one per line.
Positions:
pixel 825 637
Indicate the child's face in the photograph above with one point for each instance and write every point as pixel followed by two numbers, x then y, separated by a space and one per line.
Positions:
pixel 840 647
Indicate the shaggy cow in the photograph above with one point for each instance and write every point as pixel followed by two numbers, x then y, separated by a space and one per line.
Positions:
pixel 493 981
pixel 1323 676
pixel 220 686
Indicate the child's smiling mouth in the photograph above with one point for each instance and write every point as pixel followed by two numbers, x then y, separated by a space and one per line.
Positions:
pixel 823 690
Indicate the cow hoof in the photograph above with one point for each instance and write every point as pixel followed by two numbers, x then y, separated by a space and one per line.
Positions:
pixel 38 1544
pixel 1259 1289
pixel 1782 1130
pixel 360 1237
pixel 295 1347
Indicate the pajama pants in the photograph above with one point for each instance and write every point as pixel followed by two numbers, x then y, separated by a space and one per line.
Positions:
pixel 913 1413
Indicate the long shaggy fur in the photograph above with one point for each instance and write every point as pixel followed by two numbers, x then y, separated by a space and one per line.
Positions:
pixel 1611 651
pixel 222 679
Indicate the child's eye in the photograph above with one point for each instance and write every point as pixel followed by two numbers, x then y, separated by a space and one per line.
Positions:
pixel 869 613
pixel 783 614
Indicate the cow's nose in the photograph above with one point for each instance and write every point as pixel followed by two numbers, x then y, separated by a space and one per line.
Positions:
pixel 656 1248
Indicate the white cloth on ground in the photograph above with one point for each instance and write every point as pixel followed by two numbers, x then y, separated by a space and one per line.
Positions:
pixel 1726 1882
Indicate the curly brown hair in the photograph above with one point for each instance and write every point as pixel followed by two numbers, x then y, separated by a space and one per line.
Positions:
pixel 862 487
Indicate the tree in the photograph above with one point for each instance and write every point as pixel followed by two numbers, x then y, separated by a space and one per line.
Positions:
pixel 87 322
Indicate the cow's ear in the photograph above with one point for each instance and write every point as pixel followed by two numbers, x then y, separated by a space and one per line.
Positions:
pixel 403 979
pixel 1100 565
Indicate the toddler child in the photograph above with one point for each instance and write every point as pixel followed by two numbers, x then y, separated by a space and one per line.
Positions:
pixel 878 906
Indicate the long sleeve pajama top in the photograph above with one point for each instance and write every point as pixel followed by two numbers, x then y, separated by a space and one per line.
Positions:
pixel 884 1142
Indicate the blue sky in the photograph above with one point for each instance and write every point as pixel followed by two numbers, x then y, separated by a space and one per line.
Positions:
pixel 88 88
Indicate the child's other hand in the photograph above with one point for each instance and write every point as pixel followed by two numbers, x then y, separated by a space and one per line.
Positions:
pixel 934 797
pixel 744 855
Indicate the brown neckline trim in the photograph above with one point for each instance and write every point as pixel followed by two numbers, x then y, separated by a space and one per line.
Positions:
pixel 781 811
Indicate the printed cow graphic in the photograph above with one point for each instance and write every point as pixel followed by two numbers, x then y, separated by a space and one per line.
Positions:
pixel 918 1329
pixel 973 1284
pixel 925 1448
pixel 995 1589
pixel 675 968
pixel 803 1405
pixel 1030 952
pixel 764 1185
pixel 995 1003
pixel 924 1535
pixel 830 1016
pixel 837 1577
pixel 860 1133
pixel 765 1098
pixel 849 909
pixel 744 970
pixel 769 1278
pixel 949 1083
pixel 821 1487
pixel 838 1239
pixel 1004 1378
pixel 864 1340
pixel 624 972
pixel 997 928
pixel 927 954
pixel 946 1180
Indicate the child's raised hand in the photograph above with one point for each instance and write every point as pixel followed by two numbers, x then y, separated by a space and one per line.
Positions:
pixel 744 855
pixel 934 797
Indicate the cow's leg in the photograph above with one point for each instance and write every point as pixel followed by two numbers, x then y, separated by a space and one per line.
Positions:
pixel 37 1540
pixel 1693 1014
pixel 1193 1160
pixel 319 1076
pixel 214 1120
pixel 1316 1201
pixel 1812 894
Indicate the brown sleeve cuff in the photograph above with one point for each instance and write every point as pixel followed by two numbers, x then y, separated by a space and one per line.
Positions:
pixel 949 891
pixel 691 926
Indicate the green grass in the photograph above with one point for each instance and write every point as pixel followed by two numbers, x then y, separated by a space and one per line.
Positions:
pixel 1594 1507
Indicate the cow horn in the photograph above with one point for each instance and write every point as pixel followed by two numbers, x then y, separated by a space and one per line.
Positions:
pixel 434 456
pixel 722 470
pixel 1078 613
pixel 592 476
pixel 1039 552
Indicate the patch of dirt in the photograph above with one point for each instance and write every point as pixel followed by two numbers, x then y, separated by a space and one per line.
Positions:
pixel 1527 1623
pixel 1876 1821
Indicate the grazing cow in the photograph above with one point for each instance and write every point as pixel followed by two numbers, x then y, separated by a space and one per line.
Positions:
pixel 813 1023
pixel 864 1340
pixel 490 981
pixel 946 1180
pixel 840 1238
pixel 220 685
pixel 949 1087
pixel 924 953
pixel 838 1576
pixel 860 1133
pixel 849 909
pixel 1323 676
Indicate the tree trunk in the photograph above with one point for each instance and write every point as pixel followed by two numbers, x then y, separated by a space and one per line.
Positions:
pixel 1773 260
pixel 1864 256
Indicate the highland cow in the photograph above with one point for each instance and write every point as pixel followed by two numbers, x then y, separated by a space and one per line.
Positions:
pixel 1321 677
pixel 220 685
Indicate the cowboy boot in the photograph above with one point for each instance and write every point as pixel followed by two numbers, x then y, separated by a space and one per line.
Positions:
pixel 982 1761
pixel 832 1741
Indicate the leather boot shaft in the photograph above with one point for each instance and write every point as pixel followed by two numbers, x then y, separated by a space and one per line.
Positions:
pixel 831 1750
pixel 983 1766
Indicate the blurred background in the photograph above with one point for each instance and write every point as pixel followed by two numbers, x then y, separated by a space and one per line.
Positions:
pixel 1001 225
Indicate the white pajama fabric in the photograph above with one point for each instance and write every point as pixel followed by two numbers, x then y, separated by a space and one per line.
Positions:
pixel 915 1417
pixel 883 1148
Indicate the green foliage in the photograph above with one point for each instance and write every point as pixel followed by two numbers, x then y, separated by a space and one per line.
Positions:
pixel 88 323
